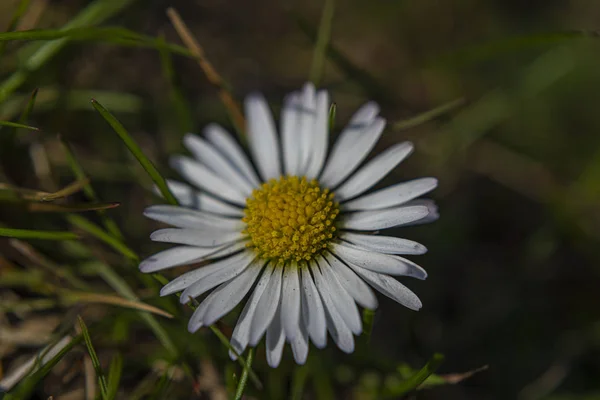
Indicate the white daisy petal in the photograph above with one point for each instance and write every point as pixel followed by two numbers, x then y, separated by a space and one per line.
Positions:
pixel 377 262
pixel 187 218
pixel 190 197
pixel 343 301
pixel 313 311
pixel 290 301
pixel 300 346
pixel 195 321
pixel 275 340
pixel 238 264
pixel 225 143
pixel 187 279
pixel 389 287
pixel 233 293
pixel 195 237
pixel 374 171
pixel 267 305
pixel 353 145
pixel 202 177
pixel 307 125
pixel 391 196
pixel 262 137
pixel 431 206
pixel 384 244
pixel 205 153
pixel 290 133
pixel 173 257
pixel 342 336
pixel 356 287
pixel 320 136
pixel 382 219
pixel 241 332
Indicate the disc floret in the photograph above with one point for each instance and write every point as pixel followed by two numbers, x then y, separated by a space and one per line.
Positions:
pixel 290 219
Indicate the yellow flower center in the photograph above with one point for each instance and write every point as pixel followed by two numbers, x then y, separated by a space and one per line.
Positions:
pixel 290 219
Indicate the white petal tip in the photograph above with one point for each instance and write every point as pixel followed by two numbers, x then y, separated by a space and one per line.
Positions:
pixel 232 355
pixel 193 327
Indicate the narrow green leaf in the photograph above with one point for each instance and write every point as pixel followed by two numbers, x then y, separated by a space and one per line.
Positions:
pixel 99 233
pixel 114 376
pixel 318 62
pixel 70 208
pixel 428 115
pixel 257 383
pixel 94 357
pixel 182 114
pixel 332 111
pixel 299 381
pixel 137 152
pixel 94 14
pixel 18 125
pixel 417 379
pixel 110 225
pixel 239 393
pixel 117 282
pixel 44 235
pixel 14 21
pixel 367 319
pixel 26 387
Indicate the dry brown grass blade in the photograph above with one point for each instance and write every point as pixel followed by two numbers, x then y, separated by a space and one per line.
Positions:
pixel 48 207
pixel 114 300
pixel 211 74
pixel 38 195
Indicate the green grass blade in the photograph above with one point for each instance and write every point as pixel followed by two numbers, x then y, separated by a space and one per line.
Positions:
pixel 368 316
pixel 428 115
pixel 299 381
pixel 14 21
pixel 119 36
pixel 110 225
pixel 94 230
pixel 239 393
pixel 94 14
pixel 18 125
pixel 417 379
pixel 43 235
pixel 48 360
pixel 318 61
pixel 135 149
pixel 114 376
pixel 182 114
pixel 117 282
pixel 94 357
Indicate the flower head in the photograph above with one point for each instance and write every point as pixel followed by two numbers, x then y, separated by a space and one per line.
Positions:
pixel 297 232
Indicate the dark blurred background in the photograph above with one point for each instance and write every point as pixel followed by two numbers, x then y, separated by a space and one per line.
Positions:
pixel 513 261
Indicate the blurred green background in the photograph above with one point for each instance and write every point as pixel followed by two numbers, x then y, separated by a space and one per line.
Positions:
pixel 513 262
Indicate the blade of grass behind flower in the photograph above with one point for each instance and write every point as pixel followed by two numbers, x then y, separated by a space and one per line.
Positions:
pixel 299 381
pixel 46 360
pixel 428 115
pixel 94 14
pixel 239 393
pixel 114 376
pixel 110 225
pixel 212 75
pixel 18 125
pixel 137 152
pixel 417 379
pixel 33 234
pixel 99 233
pixel 14 21
pixel 94 357
pixel 182 114
pixel 318 61
pixel 100 298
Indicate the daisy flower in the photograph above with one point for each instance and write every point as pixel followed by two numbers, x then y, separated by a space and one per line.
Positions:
pixel 292 225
